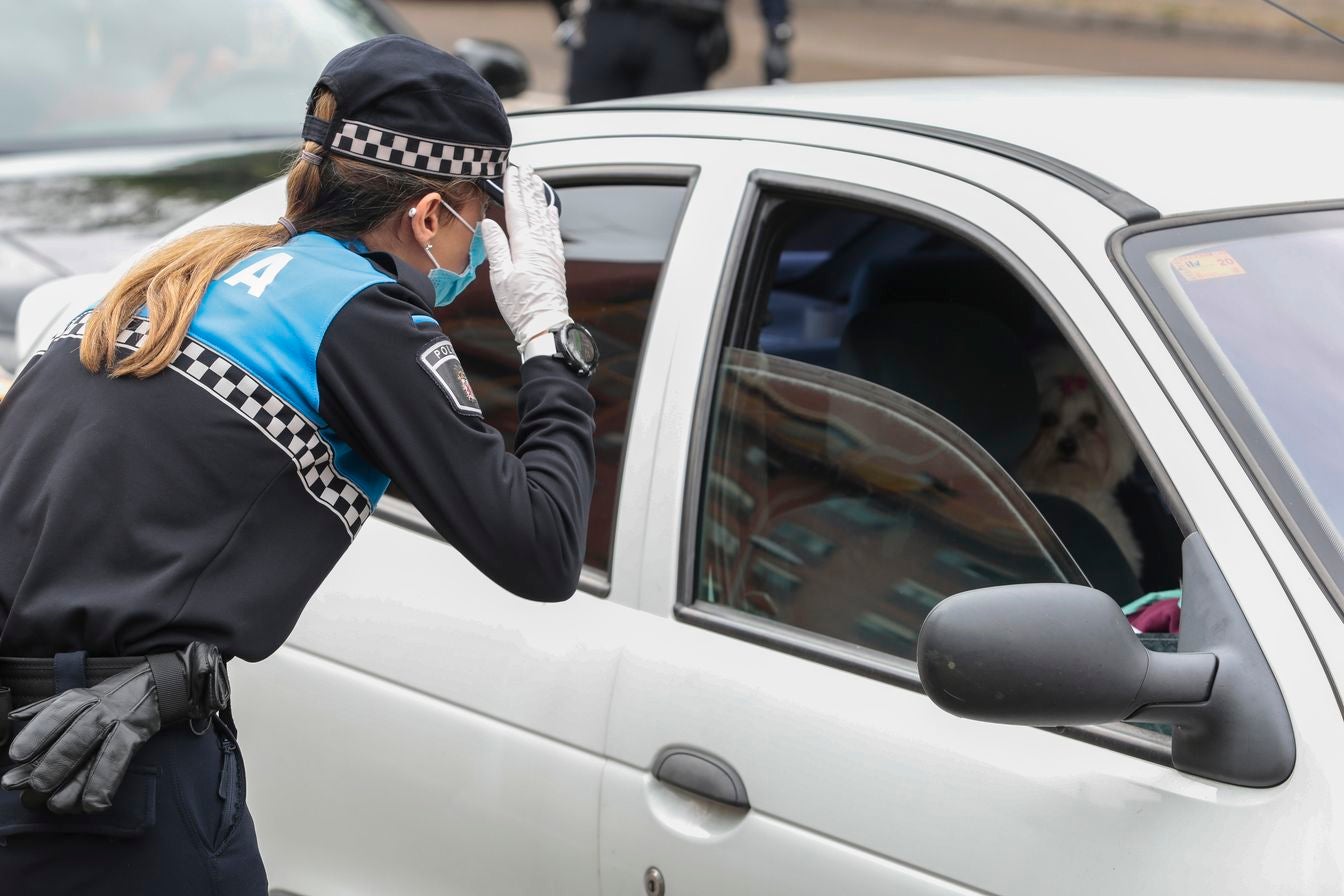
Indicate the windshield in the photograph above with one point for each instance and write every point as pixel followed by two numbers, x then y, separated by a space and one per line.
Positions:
pixel 109 72
pixel 1258 304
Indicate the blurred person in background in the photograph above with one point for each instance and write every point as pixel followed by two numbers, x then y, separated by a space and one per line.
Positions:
pixel 624 48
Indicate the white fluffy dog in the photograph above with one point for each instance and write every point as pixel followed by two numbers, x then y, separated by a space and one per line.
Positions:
pixel 1081 451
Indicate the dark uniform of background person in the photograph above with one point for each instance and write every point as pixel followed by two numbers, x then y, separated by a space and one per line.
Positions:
pixel 624 48
pixel 190 514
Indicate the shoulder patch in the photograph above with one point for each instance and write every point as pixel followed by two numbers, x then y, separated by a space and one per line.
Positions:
pixel 440 361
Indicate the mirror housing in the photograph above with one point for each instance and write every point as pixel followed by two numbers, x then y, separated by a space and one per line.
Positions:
pixel 1048 655
pixel 1065 655
pixel 500 64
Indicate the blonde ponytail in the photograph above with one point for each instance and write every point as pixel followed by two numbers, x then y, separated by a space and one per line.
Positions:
pixel 168 284
pixel 338 196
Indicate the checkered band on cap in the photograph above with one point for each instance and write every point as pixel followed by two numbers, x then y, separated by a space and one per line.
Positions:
pixel 273 416
pixel 364 141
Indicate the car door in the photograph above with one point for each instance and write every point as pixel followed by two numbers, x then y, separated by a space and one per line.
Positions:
pixel 767 732
pixel 423 731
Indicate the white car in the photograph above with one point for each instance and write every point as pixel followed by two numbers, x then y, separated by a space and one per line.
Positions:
pixel 865 347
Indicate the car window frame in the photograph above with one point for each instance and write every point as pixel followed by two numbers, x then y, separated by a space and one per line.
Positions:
pixel 1227 403
pixel 592 581
pixel 746 264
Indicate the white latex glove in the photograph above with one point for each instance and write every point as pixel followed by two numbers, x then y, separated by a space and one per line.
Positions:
pixel 527 268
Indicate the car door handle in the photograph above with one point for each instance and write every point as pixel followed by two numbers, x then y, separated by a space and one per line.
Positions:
pixel 702 774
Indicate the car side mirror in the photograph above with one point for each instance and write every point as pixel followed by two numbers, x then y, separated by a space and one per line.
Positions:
pixel 500 64
pixel 1048 655
pixel 1051 654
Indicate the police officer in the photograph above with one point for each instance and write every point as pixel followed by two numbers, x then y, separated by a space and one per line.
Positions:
pixel 189 458
pixel 623 48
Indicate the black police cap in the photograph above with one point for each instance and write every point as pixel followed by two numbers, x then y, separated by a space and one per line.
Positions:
pixel 404 104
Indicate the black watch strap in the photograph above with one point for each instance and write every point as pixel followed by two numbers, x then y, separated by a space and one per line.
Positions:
pixel 552 344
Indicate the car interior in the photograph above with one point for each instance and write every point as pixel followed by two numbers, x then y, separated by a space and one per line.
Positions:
pixel 872 299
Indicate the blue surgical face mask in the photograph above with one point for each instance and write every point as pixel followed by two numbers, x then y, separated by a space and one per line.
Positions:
pixel 448 285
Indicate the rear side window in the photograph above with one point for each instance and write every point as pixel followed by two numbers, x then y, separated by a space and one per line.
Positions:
pixel 617 237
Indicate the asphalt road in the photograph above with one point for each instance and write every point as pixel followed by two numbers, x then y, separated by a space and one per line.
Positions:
pixel 844 41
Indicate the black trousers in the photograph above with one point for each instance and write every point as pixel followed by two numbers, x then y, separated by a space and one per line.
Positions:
pixel 178 826
pixel 635 52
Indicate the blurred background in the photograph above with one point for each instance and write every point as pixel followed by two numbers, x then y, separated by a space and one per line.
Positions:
pixel 126 118
pixel 849 39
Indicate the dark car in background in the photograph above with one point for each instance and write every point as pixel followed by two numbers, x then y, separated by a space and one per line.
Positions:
pixel 126 118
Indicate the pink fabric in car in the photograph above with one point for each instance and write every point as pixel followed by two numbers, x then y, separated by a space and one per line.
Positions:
pixel 1162 616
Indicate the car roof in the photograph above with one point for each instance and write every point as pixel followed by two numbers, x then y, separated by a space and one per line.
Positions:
pixel 1179 144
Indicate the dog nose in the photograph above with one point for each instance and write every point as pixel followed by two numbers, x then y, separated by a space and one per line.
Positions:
pixel 1068 446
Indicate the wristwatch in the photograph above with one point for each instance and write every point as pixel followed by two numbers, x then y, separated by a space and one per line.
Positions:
pixel 571 343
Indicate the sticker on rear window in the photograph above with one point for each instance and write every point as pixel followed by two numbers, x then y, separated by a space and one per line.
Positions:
pixel 440 361
pixel 1207 265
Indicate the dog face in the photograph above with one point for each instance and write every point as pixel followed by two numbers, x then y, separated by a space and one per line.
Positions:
pixel 1080 444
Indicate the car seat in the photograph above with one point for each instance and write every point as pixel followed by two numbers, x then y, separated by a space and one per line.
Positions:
pixel 968 366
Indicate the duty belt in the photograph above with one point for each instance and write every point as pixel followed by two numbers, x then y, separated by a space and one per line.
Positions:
pixel 25 680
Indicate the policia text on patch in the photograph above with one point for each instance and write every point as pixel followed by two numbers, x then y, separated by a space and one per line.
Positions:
pixel 189 458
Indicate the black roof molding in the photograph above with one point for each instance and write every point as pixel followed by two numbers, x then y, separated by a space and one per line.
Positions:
pixel 1126 205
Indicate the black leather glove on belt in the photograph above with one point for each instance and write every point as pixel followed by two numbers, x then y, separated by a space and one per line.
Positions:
pixel 76 746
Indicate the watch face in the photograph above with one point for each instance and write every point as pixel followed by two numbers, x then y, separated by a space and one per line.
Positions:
pixel 580 345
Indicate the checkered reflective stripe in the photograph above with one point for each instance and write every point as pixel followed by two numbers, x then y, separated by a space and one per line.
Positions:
pixel 74 328
pixel 272 415
pixel 406 151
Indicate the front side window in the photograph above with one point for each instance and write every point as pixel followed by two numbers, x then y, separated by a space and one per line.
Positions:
pixel 616 238
pixel 896 419
pixel 1258 304
pixel 837 506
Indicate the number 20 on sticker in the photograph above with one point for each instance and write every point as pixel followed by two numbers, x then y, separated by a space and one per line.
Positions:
pixel 1207 265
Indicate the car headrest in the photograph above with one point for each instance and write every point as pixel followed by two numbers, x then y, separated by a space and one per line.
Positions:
pixel 961 362
pixel 952 276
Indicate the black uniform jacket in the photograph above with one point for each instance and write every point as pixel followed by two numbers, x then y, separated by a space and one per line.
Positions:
pixel 209 501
